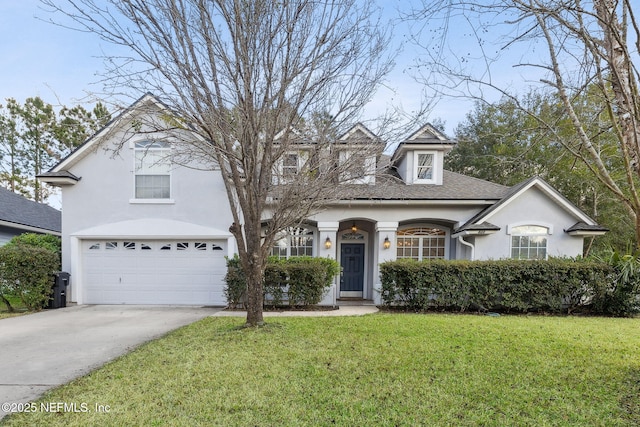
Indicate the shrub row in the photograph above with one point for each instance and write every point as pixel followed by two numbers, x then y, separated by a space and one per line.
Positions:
pixel 26 273
pixel 555 286
pixel 299 281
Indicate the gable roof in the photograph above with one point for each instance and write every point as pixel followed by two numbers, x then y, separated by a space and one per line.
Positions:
pixel 359 134
pixel 83 149
pixel 427 137
pixel 427 134
pixel 19 212
pixel 483 217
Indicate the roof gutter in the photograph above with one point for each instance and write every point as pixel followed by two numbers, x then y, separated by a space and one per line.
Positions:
pixel 418 202
pixel 29 228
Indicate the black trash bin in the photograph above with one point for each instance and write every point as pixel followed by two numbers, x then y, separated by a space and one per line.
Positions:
pixel 59 290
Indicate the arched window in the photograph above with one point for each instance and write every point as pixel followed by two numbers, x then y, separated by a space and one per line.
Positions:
pixel 295 241
pixel 421 243
pixel 529 242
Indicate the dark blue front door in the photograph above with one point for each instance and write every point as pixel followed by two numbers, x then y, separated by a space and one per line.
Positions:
pixel 352 263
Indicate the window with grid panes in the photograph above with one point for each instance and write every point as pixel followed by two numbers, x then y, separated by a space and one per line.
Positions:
pixel 421 243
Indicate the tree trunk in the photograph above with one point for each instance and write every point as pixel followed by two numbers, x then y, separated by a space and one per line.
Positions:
pixel 254 275
pixel 8 304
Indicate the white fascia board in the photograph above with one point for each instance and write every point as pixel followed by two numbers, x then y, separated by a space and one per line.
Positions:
pixel 586 233
pixel 28 228
pixel 152 228
pixel 85 148
pixel 280 134
pixel 551 193
pixel 431 130
pixel 363 129
pixel 474 233
pixel 58 181
pixel 429 202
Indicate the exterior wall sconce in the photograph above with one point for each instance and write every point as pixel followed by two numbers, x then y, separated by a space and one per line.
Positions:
pixel 354 228
pixel 387 243
pixel 327 243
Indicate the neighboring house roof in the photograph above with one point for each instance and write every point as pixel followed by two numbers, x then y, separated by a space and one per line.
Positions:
pixel 479 221
pixel 19 212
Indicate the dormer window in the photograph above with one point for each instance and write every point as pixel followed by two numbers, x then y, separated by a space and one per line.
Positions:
pixel 359 168
pixel 290 165
pixel 425 167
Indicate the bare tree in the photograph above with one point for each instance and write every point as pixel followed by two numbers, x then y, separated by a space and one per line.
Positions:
pixel 573 49
pixel 248 77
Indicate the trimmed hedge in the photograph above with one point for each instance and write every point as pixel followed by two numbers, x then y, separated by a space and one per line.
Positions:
pixel 44 241
pixel 555 286
pixel 26 272
pixel 299 281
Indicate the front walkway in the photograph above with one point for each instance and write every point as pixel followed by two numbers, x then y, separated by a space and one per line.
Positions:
pixel 343 310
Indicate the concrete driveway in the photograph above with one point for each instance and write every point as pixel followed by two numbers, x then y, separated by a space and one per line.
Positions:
pixel 43 350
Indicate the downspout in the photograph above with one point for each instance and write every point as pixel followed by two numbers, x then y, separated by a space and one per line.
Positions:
pixel 464 242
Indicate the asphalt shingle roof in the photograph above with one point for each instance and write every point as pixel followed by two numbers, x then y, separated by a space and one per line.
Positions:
pixel 454 187
pixel 19 210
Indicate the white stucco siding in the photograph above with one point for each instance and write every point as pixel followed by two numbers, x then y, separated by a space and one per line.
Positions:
pixel 533 207
pixel 105 191
pixel 400 212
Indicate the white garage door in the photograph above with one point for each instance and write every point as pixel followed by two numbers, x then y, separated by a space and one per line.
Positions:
pixel 189 272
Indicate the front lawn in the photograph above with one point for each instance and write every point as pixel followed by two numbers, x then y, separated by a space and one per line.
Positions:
pixel 385 369
pixel 17 305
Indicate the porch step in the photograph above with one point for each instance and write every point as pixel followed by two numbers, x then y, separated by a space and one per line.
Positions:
pixel 354 301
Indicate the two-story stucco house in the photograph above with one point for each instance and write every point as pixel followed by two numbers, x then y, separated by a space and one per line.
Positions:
pixel 137 229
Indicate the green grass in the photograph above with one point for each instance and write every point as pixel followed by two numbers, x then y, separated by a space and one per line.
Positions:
pixel 386 369
pixel 18 306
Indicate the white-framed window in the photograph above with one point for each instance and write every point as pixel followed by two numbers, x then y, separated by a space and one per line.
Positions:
pixel 295 241
pixel 152 170
pixel 289 166
pixel 529 242
pixel 357 167
pixel 421 243
pixel 425 167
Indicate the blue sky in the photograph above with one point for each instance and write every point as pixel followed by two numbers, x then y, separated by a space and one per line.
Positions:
pixel 40 59
pixel 63 66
